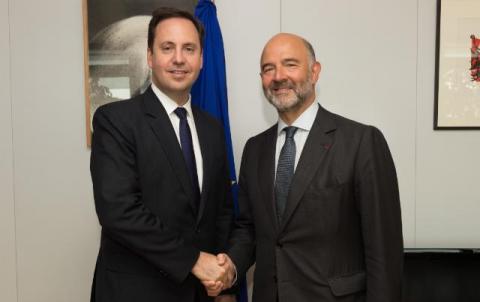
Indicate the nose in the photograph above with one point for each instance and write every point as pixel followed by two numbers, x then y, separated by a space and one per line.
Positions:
pixel 178 57
pixel 279 74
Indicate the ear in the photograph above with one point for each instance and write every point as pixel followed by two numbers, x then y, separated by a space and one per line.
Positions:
pixel 316 68
pixel 149 57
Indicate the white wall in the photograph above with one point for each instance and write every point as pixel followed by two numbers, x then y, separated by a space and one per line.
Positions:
pixel 246 26
pixel 8 289
pixel 56 227
pixel 378 68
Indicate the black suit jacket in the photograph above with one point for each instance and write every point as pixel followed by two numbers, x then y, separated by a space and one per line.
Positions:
pixel 340 238
pixel 152 231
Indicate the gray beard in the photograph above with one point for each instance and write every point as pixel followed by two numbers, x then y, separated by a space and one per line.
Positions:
pixel 289 103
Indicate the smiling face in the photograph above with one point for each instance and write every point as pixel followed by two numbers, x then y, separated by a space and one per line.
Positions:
pixel 175 58
pixel 288 73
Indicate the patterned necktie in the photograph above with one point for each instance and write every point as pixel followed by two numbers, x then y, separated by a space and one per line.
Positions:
pixel 187 149
pixel 285 170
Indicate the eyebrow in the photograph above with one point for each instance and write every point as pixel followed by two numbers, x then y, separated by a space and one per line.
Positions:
pixel 266 65
pixel 191 44
pixel 183 44
pixel 284 61
pixel 289 60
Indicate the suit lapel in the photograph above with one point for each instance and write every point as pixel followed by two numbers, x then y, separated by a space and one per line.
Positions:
pixel 266 173
pixel 317 145
pixel 205 147
pixel 163 129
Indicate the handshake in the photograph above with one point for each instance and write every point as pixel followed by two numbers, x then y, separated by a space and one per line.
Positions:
pixel 216 273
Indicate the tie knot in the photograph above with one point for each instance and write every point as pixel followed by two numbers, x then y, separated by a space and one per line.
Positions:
pixel 181 113
pixel 290 131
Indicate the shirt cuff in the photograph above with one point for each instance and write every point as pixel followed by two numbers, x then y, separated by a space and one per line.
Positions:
pixel 236 275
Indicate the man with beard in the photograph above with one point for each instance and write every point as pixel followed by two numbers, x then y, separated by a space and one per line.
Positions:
pixel 319 201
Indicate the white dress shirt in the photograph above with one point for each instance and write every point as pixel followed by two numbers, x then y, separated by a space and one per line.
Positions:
pixel 170 106
pixel 304 123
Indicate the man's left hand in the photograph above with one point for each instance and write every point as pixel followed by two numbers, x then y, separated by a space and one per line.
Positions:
pixel 231 277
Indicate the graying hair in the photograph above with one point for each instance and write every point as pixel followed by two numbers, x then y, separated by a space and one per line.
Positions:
pixel 310 50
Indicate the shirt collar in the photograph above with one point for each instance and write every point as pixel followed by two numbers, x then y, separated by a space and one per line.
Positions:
pixel 169 104
pixel 304 121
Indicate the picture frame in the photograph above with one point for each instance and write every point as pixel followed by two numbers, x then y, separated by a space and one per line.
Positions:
pixel 115 50
pixel 457 70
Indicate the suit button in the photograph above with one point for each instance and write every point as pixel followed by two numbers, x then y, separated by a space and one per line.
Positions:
pixel 275 279
pixel 197 231
pixel 279 245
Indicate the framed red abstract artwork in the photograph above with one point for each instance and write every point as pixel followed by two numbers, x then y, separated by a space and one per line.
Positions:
pixel 457 81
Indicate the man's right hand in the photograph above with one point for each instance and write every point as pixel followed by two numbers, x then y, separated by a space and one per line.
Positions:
pixel 216 273
pixel 207 269
pixel 214 288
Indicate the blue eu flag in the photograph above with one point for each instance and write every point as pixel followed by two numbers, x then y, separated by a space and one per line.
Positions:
pixel 210 90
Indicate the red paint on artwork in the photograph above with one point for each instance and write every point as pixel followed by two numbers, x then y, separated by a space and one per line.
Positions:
pixel 475 60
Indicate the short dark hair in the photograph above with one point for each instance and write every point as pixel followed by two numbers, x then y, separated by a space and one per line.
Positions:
pixel 163 13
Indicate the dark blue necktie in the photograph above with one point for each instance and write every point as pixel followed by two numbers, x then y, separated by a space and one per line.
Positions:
pixel 187 149
pixel 285 170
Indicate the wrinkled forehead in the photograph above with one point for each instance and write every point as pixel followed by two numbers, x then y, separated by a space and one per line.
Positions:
pixel 284 48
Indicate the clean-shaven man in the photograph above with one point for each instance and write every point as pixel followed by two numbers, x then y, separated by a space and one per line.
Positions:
pixel 160 180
